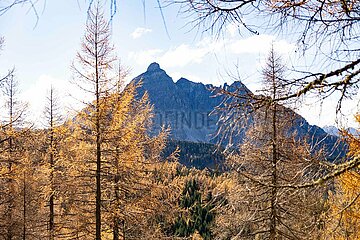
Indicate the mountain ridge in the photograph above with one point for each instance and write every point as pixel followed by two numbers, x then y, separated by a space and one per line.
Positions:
pixel 185 106
pixel 333 130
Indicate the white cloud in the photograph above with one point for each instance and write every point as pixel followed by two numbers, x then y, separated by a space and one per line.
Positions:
pixel 323 113
pixel 185 54
pixel 182 56
pixel 232 29
pixel 179 56
pixel 212 45
pixel 175 57
pixel 139 32
pixel 36 97
pixel 176 75
pixel 260 44
pixel 194 78
pixel 145 57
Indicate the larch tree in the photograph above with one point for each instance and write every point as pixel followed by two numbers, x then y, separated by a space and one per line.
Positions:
pixel 269 158
pixel 124 153
pixel 20 179
pixel 344 201
pixel 31 176
pixel 10 158
pixel 52 139
pixel 137 180
pixel 136 184
pixel 91 70
pixel 110 142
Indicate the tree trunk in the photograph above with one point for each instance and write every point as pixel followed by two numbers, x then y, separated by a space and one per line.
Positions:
pixel 116 229
pixel 24 206
pixel 98 143
pixel 273 197
pixel 124 230
pixel 51 200
pixel 12 192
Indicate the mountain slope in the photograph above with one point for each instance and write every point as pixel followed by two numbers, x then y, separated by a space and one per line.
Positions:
pixel 332 130
pixel 185 107
pixel 195 154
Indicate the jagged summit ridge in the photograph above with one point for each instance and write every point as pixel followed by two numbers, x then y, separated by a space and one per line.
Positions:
pixel 153 67
pixel 185 106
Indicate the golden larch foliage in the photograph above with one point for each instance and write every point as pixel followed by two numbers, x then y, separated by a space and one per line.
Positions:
pixel 344 202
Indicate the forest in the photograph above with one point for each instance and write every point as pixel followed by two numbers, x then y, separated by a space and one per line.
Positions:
pixel 101 175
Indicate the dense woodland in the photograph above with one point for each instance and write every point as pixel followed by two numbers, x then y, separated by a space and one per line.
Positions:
pixel 100 175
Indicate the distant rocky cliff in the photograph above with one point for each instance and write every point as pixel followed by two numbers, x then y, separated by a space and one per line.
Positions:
pixel 185 106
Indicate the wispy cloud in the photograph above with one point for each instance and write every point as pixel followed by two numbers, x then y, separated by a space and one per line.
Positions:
pixel 260 44
pixel 182 56
pixel 145 57
pixel 36 97
pixel 139 32
pixel 232 29
pixel 179 56
pixel 185 54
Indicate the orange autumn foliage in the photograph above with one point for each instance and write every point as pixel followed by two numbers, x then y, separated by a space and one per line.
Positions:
pixel 344 203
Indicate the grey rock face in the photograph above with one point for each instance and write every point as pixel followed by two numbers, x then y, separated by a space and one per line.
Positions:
pixel 185 106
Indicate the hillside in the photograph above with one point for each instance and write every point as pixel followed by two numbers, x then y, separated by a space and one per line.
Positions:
pixel 185 107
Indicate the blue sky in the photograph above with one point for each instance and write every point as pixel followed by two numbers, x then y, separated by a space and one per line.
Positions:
pixel 43 50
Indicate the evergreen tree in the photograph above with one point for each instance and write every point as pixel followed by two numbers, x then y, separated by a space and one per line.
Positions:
pixel 196 215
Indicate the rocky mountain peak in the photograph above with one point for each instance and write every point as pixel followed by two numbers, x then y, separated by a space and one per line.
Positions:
pixel 183 80
pixel 185 106
pixel 153 67
pixel 155 77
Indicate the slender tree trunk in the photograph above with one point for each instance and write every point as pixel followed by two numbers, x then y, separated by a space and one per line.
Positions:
pixel 273 197
pixel 12 192
pixel 98 143
pixel 11 197
pixel 98 187
pixel 116 229
pixel 96 60
pixel 124 230
pixel 24 206
pixel 51 206
pixel 51 200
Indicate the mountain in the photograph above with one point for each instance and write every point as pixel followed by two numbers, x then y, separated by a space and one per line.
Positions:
pixel 186 107
pixel 334 131
pixel 197 154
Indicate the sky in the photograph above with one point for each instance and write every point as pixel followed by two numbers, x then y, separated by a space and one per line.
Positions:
pixel 42 49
